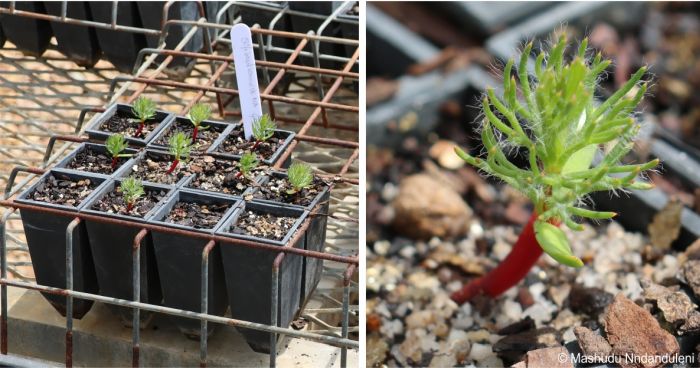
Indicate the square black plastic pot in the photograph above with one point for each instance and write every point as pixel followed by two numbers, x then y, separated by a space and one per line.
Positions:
pixel 249 276
pixel 31 36
pixel 63 164
pixel 112 251
pixel 95 133
pixel 127 169
pixel 119 47
pixel 190 184
pixel 179 260
pixel 304 24
pixel 286 136
pixel 46 240
pixel 218 126
pixel 315 235
pixel 78 43
pixel 151 13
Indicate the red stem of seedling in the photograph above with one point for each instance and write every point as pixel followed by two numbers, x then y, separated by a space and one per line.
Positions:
pixel 173 166
pixel 194 134
pixel 257 143
pixel 239 174
pixel 115 160
pixel 140 129
pixel 509 272
pixel 129 206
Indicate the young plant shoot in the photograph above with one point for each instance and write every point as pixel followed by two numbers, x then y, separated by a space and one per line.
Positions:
pixel 116 144
pixel 132 190
pixel 143 109
pixel 197 115
pixel 249 161
pixel 180 146
pixel 300 176
pixel 263 129
pixel 560 126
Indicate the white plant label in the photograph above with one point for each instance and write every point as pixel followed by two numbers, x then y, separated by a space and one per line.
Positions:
pixel 246 76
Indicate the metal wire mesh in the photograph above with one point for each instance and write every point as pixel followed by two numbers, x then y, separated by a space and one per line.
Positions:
pixel 50 95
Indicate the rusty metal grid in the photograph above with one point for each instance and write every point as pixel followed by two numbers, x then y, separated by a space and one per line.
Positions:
pixel 314 105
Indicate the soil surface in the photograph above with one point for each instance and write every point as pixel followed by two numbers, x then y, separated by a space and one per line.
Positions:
pixel 198 216
pixel 121 122
pixel 113 202
pixel 154 168
pixel 276 190
pixel 205 137
pixel 263 225
pixel 95 161
pixel 235 144
pixel 219 175
pixel 63 190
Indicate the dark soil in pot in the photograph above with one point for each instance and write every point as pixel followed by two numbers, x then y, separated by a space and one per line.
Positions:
pixel 195 215
pixel 154 168
pixel 112 249
pixel 46 236
pixel 275 189
pixel 123 122
pixel 236 144
pixel 218 175
pixel 92 160
pixel 206 134
pixel 263 225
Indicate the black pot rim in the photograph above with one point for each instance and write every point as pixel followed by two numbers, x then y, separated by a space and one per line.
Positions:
pixel 111 186
pixel 101 181
pixel 93 127
pixel 270 161
pixel 301 217
pixel 263 179
pixel 178 118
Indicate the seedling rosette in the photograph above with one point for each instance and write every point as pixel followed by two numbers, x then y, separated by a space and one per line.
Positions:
pixel 247 164
pixel 263 129
pixel 299 176
pixel 132 190
pixel 560 126
pixel 180 147
pixel 116 144
pixel 143 109
pixel 197 115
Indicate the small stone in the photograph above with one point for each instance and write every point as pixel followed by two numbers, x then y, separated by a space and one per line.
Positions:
pixel 633 330
pixel 525 298
pixel 512 310
pixel 420 319
pixel 523 325
pixel 593 345
pixel 480 352
pixel 377 350
pixel 425 207
pixel 549 357
pixel 675 306
pixel 666 225
pixel 691 273
pixel 590 301
pixel 382 247
pixel 478 336
pixel 513 347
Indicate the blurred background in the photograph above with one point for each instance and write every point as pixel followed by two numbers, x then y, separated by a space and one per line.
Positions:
pixel 434 223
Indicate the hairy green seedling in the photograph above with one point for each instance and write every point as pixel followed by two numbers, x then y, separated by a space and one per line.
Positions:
pixel 132 190
pixel 300 176
pixel 116 144
pixel 248 162
pixel 180 146
pixel 143 109
pixel 561 127
pixel 197 115
pixel 263 129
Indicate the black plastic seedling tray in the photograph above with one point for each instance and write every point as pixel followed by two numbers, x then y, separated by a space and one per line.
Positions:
pixel 179 262
pixel 249 276
pixel 112 251
pixel 94 133
pixel 78 43
pixel 218 126
pixel 46 240
pixel 120 48
pixel 31 36
pixel 284 135
pixel 126 164
pixel 315 234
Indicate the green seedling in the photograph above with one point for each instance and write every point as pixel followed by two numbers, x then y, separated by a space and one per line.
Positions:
pixel 197 115
pixel 560 126
pixel 263 129
pixel 116 144
pixel 132 190
pixel 143 109
pixel 300 176
pixel 180 146
pixel 248 162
